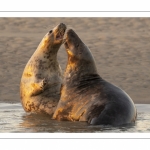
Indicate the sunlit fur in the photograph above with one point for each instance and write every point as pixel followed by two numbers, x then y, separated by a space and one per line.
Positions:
pixel 42 77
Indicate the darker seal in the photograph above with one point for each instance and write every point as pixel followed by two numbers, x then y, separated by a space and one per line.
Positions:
pixel 85 96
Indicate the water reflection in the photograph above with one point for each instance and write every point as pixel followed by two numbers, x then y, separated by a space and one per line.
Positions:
pixel 43 123
pixel 14 119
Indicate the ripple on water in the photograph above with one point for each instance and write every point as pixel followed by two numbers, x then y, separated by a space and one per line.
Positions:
pixel 14 119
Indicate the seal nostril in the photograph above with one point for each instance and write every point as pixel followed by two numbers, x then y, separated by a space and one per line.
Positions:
pixel 50 31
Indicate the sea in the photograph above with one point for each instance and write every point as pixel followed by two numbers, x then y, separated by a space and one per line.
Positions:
pixel 15 120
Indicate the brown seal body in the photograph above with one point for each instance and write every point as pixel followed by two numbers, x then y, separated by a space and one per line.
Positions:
pixel 42 77
pixel 85 96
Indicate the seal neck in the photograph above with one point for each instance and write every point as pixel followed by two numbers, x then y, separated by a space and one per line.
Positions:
pixel 49 53
pixel 77 70
pixel 80 65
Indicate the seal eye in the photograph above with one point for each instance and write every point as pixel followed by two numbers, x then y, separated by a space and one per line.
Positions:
pixel 50 31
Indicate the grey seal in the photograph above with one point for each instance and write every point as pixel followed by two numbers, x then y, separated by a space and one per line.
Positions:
pixel 42 76
pixel 85 96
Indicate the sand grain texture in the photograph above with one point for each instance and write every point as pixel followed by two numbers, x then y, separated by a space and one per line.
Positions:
pixel 120 46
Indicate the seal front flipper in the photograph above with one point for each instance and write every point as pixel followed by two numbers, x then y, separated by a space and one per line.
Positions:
pixel 38 87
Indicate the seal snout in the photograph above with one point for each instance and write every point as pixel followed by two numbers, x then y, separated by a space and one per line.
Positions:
pixel 61 31
pixel 72 39
pixel 72 35
pixel 62 25
pixel 70 32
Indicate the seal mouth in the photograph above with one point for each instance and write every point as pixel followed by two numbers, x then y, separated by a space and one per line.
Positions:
pixel 60 31
pixel 60 35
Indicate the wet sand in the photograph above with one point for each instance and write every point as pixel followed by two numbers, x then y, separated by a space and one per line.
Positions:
pixel 120 46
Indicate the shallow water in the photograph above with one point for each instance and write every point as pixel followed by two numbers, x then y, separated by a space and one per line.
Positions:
pixel 14 119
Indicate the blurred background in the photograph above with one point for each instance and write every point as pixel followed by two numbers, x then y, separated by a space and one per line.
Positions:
pixel 120 46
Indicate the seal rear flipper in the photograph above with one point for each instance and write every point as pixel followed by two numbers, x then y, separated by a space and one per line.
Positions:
pixel 103 120
pixel 107 120
pixel 101 114
pixel 112 115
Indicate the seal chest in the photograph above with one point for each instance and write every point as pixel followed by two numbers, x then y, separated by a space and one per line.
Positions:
pixel 42 77
pixel 85 96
